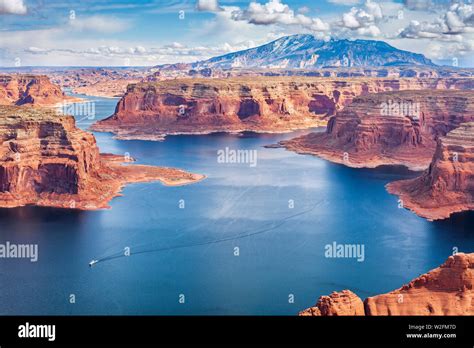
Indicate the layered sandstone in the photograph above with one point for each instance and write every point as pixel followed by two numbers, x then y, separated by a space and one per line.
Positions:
pixel 387 128
pixel 46 160
pixel 446 290
pixel 33 90
pixel 106 89
pixel 447 186
pixel 337 304
pixel 261 104
pixel 102 82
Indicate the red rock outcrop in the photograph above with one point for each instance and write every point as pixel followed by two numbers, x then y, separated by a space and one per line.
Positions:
pixel 337 304
pixel 46 160
pixel 100 81
pixel 389 128
pixel 446 290
pixel 33 90
pixel 262 104
pixel 447 186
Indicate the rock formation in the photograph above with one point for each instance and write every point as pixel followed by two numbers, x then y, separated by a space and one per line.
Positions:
pixel 337 304
pixel 34 90
pixel 261 104
pixel 447 186
pixel 446 290
pixel 96 81
pixel 399 127
pixel 46 160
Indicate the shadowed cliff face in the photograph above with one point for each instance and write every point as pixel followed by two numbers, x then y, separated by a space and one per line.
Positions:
pixel 389 128
pixel 447 186
pixel 446 290
pixel 264 104
pixel 46 160
pixel 29 90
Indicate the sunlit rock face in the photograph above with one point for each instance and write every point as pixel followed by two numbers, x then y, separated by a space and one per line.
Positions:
pixel 33 90
pixel 46 160
pixel 446 290
pixel 447 186
pixel 263 104
pixel 398 127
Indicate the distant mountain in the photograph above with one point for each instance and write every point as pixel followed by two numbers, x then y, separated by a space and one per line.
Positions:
pixel 305 51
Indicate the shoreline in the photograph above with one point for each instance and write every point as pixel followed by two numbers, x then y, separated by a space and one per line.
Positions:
pixel 330 156
pixel 431 214
pixel 115 173
pixel 119 134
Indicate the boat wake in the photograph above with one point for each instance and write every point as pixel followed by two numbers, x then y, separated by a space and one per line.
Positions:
pixel 273 226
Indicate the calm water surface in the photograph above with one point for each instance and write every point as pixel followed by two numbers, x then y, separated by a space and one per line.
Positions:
pixel 190 251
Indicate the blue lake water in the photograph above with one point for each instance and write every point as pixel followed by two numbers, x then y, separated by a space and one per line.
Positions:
pixel 191 251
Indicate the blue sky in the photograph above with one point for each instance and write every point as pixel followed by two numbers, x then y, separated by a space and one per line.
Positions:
pixel 150 32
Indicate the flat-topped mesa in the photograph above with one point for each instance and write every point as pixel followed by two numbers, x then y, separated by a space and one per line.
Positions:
pixel 33 90
pixel 447 186
pixel 46 160
pixel 255 103
pixel 398 128
pixel 446 290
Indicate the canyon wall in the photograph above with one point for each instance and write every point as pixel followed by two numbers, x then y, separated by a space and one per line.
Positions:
pixel 34 90
pixel 262 104
pixel 46 160
pixel 399 128
pixel 447 186
pixel 446 290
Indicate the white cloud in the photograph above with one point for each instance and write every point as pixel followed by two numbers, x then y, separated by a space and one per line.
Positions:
pixel 460 18
pixel 351 20
pixel 417 30
pixel 374 9
pixel 304 10
pixel 101 24
pixel 119 53
pixel 276 12
pixel 418 4
pixel 371 30
pixel 12 7
pixel 457 20
pixel 208 5
pixel 364 20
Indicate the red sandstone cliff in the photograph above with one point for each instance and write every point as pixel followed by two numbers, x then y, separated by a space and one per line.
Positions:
pixel 371 132
pixel 34 90
pixel 46 160
pixel 337 304
pixel 263 104
pixel 447 186
pixel 446 290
